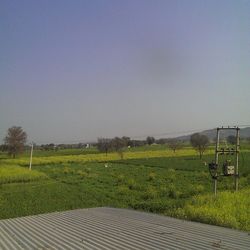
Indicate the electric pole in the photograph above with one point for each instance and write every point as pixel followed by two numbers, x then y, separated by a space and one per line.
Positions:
pixel 31 153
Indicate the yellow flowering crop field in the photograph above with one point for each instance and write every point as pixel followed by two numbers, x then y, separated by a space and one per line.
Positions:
pixel 100 157
pixel 14 173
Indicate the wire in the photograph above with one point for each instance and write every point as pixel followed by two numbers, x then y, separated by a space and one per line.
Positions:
pixel 174 133
pixel 179 133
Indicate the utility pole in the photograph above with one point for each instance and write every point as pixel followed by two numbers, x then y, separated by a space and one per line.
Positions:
pixel 31 153
pixel 226 169
pixel 237 148
pixel 216 160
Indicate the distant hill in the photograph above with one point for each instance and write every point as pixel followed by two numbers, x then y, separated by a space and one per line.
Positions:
pixel 211 134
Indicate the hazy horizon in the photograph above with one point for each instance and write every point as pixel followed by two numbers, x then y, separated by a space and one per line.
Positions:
pixel 79 70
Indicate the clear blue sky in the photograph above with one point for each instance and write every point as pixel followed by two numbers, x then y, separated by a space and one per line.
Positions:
pixel 78 70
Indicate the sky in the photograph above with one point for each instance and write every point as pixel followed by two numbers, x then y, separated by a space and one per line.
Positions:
pixel 73 71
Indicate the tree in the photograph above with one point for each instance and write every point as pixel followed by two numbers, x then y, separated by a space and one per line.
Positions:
pixel 48 147
pixel 174 144
pixel 150 140
pixel 118 144
pixel 126 140
pixel 231 139
pixel 104 145
pixel 162 141
pixel 136 143
pixel 15 140
pixel 199 142
pixel 3 148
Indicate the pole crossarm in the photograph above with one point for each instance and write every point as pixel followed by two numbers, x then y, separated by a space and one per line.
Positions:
pixel 227 151
pixel 225 128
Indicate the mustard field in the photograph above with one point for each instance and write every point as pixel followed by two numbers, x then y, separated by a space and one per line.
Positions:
pixel 158 180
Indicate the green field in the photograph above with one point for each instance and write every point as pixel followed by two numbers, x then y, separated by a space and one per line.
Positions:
pixel 150 178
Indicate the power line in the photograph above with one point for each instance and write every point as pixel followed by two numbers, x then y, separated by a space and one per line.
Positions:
pixel 171 133
pixel 174 133
pixel 183 132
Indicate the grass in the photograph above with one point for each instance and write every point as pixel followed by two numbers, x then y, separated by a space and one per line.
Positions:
pixel 157 181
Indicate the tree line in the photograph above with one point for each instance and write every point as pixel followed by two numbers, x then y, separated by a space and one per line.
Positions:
pixel 16 139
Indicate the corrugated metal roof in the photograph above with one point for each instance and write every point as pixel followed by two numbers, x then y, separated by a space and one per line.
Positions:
pixel 110 228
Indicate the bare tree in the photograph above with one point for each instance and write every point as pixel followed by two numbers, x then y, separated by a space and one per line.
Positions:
pixel 174 144
pixel 118 145
pixel 104 145
pixel 126 140
pixel 15 140
pixel 199 142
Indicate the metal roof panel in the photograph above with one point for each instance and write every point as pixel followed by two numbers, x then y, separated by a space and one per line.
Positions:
pixel 112 228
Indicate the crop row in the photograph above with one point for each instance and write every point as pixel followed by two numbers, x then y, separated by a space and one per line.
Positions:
pixel 99 157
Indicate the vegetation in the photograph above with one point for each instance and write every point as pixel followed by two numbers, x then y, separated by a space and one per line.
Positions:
pixel 116 144
pixel 228 209
pixel 130 154
pixel 174 144
pixel 11 174
pixel 150 140
pixel 150 178
pixel 104 145
pixel 15 140
pixel 199 142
